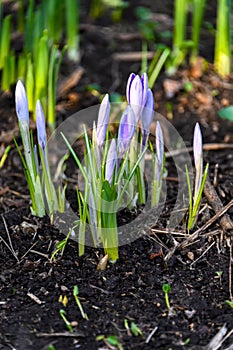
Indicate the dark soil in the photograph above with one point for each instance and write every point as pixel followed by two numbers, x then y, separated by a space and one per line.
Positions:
pixel 32 285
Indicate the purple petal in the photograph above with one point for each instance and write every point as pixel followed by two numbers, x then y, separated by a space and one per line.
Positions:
pixel 40 125
pixel 126 130
pixel 159 143
pixel 197 144
pixel 128 87
pixel 103 119
pixel 144 81
pixel 198 159
pixel 148 112
pixel 36 159
pixel 136 93
pixel 21 103
pixel 111 161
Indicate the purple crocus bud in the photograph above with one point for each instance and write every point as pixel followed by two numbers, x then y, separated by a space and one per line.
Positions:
pixel 147 116
pixel 198 159
pixel 21 103
pixel 111 161
pixel 92 213
pixel 36 159
pixel 102 123
pixel 40 125
pixel 136 93
pixel 126 131
pixel 159 150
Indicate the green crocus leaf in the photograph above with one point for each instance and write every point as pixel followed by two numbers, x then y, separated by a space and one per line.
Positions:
pixel 226 113
pixel 109 193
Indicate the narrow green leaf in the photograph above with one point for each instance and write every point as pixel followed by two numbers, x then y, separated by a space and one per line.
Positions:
pixel 226 113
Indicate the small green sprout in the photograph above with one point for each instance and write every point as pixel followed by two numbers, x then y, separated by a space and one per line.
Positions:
pixel 51 347
pixel 75 294
pixel 219 276
pixel 229 302
pixel 135 330
pixel 188 86
pixel 132 329
pixel 60 247
pixel 110 340
pixel 219 273
pixel 4 156
pixel 67 323
pixel 187 341
pixel 166 289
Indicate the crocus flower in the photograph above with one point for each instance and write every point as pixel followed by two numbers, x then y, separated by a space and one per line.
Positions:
pixel 111 161
pixel 126 131
pixel 136 93
pixel 36 159
pixel 41 131
pixel 147 116
pixel 92 213
pixel 159 151
pixel 21 103
pixel 102 123
pixel 40 125
pixel 198 159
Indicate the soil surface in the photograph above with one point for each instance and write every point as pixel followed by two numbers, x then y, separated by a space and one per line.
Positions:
pixel 34 288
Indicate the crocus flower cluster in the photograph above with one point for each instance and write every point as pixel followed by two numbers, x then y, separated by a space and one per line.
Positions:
pixel 113 169
pixel 40 184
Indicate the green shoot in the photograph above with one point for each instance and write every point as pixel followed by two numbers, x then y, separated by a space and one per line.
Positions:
pixel 157 64
pixel 197 17
pixel 179 36
pixel 135 330
pixel 67 323
pixel 60 247
pixel 54 65
pixel 166 289
pixel 4 156
pixel 5 40
pixel 50 347
pixel 72 28
pixel 110 341
pixel 222 55
pixel 229 303
pixel 75 294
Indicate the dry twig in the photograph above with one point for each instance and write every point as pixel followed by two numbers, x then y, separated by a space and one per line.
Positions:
pixel 60 334
pixel 216 204
pixel 9 246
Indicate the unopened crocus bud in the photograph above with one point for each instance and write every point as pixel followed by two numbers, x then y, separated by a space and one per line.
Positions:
pixel 111 161
pixel 21 103
pixel 136 93
pixel 147 116
pixel 159 150
pixel 92 213
pixel 198 159
pixel 36 159
pixel 40 125
pixel 102 123
pixel 126 131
